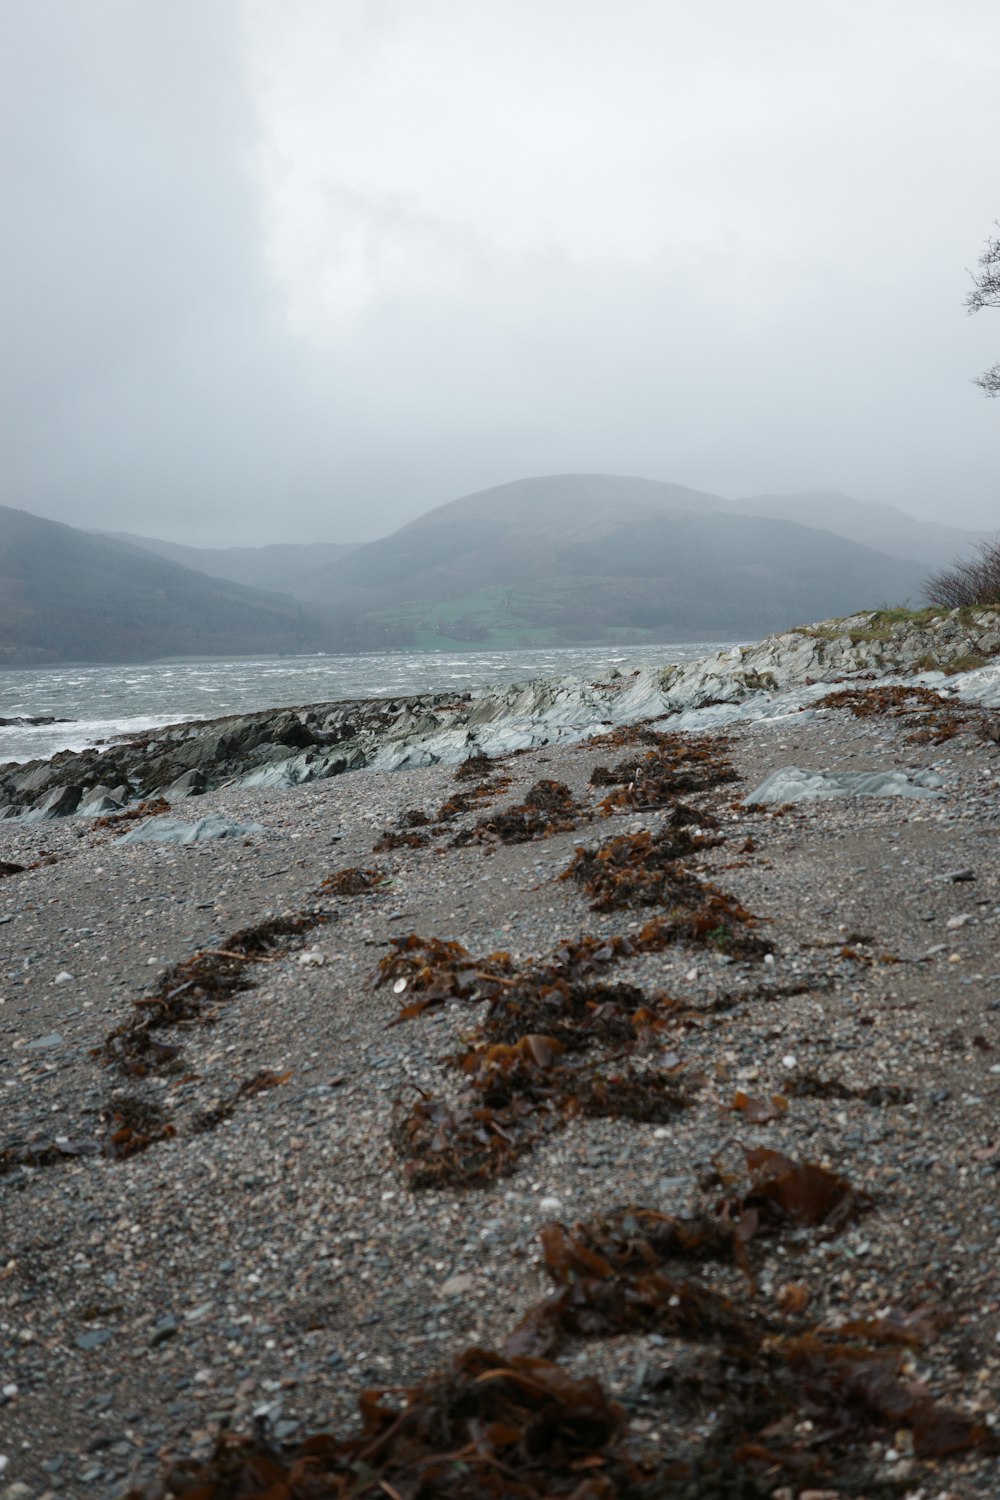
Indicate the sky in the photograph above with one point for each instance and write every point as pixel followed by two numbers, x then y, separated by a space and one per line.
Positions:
pixel 297 270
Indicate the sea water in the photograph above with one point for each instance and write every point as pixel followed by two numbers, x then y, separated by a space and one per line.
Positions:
pixel 103 702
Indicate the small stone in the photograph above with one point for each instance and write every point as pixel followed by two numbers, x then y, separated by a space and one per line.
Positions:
pixel 953 923
pixel 63 977
pixel 789 1061
pixel 165 1329
pixel 94 1339
pixel 458 1286
pixel 550 1205
pixel 312 959
pixel 43 1043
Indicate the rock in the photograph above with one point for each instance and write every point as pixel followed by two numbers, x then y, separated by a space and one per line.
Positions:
pixel 43 1043
pixel 101 799
pixel 780 675
pixel 165 1329
pixel 192 784
pixel 791 784
pixel 458 1286
pixel 93 1338
pixel 58 803
pixel 173 831
pixel 63 977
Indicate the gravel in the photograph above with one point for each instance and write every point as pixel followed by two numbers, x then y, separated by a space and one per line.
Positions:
pixel 274 1266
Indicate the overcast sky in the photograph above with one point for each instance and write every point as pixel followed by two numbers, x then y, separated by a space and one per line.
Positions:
pixel 301 269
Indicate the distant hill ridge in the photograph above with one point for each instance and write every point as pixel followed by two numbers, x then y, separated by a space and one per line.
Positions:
pixel 71 595
pixel 556 559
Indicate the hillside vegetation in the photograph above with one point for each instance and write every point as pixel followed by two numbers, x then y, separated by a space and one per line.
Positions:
pixel 69 595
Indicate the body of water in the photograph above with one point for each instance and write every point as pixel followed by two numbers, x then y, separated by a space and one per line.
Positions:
pixel 102 702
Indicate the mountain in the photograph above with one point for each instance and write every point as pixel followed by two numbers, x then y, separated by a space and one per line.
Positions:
pixel 282 568
pixel 574 557
pixel 70 595
pixel 873 524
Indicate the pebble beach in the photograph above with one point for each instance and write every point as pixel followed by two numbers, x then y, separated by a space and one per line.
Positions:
pixel 269 1255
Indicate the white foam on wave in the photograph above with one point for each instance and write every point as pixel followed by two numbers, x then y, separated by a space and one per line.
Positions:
pixel 24 742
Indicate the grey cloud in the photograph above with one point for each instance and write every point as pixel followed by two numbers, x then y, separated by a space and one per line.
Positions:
pixel 293 271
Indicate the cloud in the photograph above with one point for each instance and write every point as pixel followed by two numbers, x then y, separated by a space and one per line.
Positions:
pixel 285 268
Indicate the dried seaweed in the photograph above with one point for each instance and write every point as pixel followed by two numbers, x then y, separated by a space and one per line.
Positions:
pixel 485 1428
pixel 677 764
pixel 759 1111
pixel 405 840
pixel 643 869
pixel 521 1066
pixel 190 991
pixel 353 881
pixel 151 809
pixel 549 807
pixel 639 869
pixel 261 1081
pixel 134 1124
pixel 935 720
pixel 475 767
pixel 802 1192
pixel 811 1086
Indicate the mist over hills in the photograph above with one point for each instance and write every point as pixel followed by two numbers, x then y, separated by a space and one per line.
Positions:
pixel 590 557
pixel 71 595
pixel 559 559
pixel 282 567
pixel 884 527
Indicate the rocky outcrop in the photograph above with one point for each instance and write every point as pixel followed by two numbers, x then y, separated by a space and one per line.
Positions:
pixel 958 652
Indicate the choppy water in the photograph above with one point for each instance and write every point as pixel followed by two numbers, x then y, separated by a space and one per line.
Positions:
pixel 106 701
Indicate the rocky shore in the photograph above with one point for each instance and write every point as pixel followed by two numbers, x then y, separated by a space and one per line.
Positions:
pixel 291 746
pixel 490 1056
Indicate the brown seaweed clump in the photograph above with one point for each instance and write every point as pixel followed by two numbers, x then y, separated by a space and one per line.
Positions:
pixel 353 881
pixel 193 990
pixel 549 807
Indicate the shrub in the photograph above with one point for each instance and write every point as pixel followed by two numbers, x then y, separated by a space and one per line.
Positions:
pixel 976 580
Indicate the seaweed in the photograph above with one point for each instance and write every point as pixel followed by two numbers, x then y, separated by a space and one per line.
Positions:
pixel 411 839
pixel 933 719
pixel 353 881
pixel 678 763
pixel 154 808
pixel 549 807
pixel 192 990
pixel 801 1192
pixel 475 767
pixel 487 1427
pixel 521 1064
pixel 810 1086
pixel 261 1081
pixel 643 869
pixel 639 869
pixel 134 1124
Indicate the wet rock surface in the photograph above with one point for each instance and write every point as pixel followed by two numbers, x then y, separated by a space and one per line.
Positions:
pixel 263 1253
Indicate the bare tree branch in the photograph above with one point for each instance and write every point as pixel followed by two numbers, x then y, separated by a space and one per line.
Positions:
pixel 986 293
